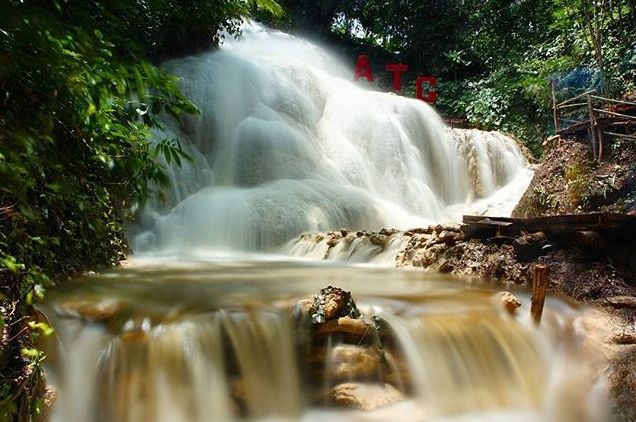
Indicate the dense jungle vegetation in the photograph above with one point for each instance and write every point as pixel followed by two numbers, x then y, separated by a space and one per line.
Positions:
pixel 80 92
pixel 494 58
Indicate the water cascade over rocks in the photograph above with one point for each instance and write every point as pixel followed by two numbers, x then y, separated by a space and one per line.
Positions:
pixel 198 342
pixel 286 143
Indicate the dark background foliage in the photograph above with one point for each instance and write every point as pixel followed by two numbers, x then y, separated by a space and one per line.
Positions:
pixel 494 58
pixel 80 92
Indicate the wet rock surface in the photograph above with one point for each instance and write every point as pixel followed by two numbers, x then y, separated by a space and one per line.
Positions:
pixel 587 267
pixel 364 396
pixel 509 302
pixel 330 303
pixel 349 364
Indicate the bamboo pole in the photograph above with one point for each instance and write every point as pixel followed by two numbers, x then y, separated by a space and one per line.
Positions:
pixel 555 110
pixel 590 109
pixel 592 91
pixel 573 105
pixel 612 113
pixel 539 289
pixel 614 101
pixel 620 135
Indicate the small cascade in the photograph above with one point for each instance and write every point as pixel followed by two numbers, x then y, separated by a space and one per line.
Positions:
pixel 288 144
pixel 347 246
pixel 476 355
pixel 206 367
pixel 265 350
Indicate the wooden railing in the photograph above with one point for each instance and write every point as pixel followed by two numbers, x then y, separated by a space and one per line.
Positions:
pixel 599 116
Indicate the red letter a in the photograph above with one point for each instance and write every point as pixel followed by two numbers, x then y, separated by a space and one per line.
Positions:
pixel 363 69
pixel 397 69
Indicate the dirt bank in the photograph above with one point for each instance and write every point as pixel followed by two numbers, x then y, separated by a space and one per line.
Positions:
pixel 570 181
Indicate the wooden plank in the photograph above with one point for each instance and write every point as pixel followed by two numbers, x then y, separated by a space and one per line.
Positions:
pixel 614 101
pixel 620 135
pixel 592 91
pixel 600 145
pixel 601 222
pixel 576 127
pixel 617 123
pixel 625 116
pixel 572 105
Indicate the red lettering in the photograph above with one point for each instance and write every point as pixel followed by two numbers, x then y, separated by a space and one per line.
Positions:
pixel 363 69
pixel 397 69
pixel 431 94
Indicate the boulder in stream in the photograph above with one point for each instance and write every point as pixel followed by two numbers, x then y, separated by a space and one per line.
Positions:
pixel 364 396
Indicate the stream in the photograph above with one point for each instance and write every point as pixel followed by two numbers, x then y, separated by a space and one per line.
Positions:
pixel 207 321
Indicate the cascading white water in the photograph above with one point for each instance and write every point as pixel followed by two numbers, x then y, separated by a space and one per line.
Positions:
pixel 287 144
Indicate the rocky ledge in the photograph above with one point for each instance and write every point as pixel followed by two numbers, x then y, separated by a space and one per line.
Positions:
pixel 587 267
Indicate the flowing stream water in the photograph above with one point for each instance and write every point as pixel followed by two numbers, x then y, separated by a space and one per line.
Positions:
pixel 206 323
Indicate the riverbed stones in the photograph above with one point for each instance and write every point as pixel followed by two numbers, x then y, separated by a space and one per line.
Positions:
pixel 91 310
pixel 348 361
pixel 378 239
pixel 344 325
pixel 529 247
pixel 450 238
pixel 624 338
pixel 333 302
pixel 621 302
pixel 509 302
pixel 364 396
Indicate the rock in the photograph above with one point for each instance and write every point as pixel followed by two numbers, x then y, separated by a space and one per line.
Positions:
pixel 446 267
pixel 624 338
pixel 364 396
pixel 418 230
pixel 388 232
pixel 344 232
pixel 333 302
pixel 508 301
pixel 49 399
pixel 529 247
pixel 333 239
pixel 303 307
pixel 448 237
pixel 551 143
pixel 621 302
pixel 351 362
pixel 345 325
pixel 102 310
pixel 378 239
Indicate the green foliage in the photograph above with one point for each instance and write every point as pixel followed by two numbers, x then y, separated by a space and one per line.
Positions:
pixel 494 58
pixel 79 96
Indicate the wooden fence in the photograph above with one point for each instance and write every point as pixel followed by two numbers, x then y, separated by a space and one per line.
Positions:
pixel 600 117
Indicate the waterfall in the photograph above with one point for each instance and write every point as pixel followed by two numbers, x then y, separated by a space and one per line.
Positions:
pixel 286 144
pixel 223 342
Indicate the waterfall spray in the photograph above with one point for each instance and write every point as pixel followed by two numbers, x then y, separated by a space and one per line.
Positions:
pixel 287 143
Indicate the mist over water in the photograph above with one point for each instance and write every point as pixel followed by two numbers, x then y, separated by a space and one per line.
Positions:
pixel 287 143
